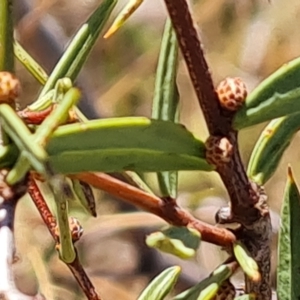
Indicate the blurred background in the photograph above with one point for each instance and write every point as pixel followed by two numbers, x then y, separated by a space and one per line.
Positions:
pixel 245 38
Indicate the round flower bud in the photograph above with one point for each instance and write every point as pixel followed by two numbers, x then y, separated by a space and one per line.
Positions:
pixel 218 150
pixel 10 87
pixel 232 93
pixel 76 229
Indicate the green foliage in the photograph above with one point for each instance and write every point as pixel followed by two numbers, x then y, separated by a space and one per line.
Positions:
pixel 207 288
pixel 288 276
pixel 78 50
pixel 275 97
pixel 30 64
pixel 246 262
pixel 270 147
pixel 161 285
pixel 106 145
pixel 66 247
pixel 166 98
pixel 180 241
pixel 85 196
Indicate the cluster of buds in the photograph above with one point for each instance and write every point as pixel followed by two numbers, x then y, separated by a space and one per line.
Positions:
pixel 232 93
pixel 10 88
pixel 218 150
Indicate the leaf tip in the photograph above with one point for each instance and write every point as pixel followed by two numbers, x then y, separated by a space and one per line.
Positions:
pixel 290 174
pixel 177 269
pixel 111 31
pixel 255 276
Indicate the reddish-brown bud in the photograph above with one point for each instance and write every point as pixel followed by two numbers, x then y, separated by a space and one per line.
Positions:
pixel 10 87
pixel 218 150
pixel 232 93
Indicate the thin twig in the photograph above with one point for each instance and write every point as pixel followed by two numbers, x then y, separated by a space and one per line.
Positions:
pixel 75 266
pixel 170 212
pixel 233 174
pixel 42 207
pixel 83 279
pixel 194 57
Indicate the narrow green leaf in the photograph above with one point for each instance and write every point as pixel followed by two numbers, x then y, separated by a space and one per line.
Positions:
pixel 40 74
pixel 6 36
pixel 62 192
pixel 288 276
pixel 275 97
pixel 85 195
pixel 6 48
pixel 126 12
pixel 30 64
pixel 78 50
pixel 247 263
pixel 179 241
pixel 113 132
pixel 136 143
pixel 168 182
pixel 165 102
pixel 114 145
pixel 207 288
pixel 166 97
pixel 119 160
pixel 270 147
pixel 161 285
pixel 135 179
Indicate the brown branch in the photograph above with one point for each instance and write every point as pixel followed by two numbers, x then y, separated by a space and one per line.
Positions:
pixel 248 201
pixel 198 69
pixel 83 279
pixel 42 207
pixel 232 174
pixel 75 267
pixel 169 211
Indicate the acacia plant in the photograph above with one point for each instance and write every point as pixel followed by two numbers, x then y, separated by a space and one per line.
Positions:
pixel 51 140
